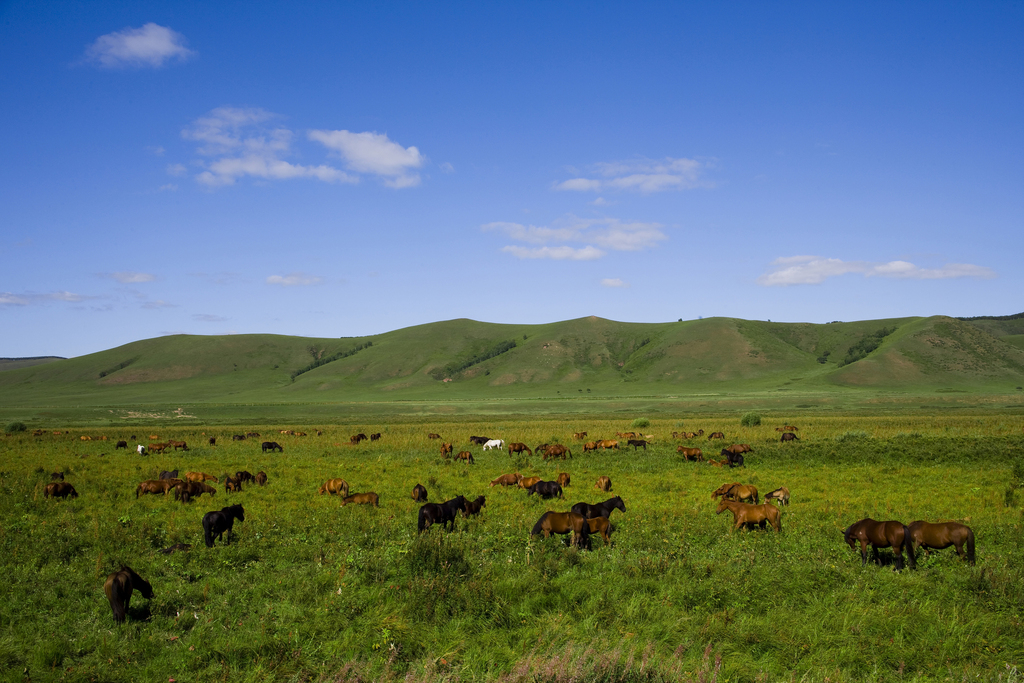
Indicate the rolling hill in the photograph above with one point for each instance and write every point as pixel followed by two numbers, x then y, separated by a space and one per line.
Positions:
pixel 586 357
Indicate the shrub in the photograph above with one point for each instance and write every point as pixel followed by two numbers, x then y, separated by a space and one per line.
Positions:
pixel 16 427
pixel 640 422
pixel 750 420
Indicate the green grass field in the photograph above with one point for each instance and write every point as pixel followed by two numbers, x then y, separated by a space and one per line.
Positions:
pixel 314 591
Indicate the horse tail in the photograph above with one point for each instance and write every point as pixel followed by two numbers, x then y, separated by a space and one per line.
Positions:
pixel 421 521
pixel 970 545
pixel 908 543
pixel 116 595
pixel 208 532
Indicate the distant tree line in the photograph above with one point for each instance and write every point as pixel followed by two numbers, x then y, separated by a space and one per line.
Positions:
pixel 1015 316
pixel 324 360
pixel 866 345
pixel 456 367
pixel 119 366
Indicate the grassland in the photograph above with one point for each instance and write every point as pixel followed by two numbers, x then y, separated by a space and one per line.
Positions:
pixel 314 591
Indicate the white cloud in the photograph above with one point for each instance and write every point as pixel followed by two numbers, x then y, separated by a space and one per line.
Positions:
pixel 373 153
pixel 812 270
pixel 156 150
pixel 641 175
pixel 208 318
pixel 168 187
pixel 158 304
pixel 587 253
pixel 11 299
pixel 293 279
pixel 598 235
pixel 614 282
pixel 176 170
pixel 150 45
pixel 128 277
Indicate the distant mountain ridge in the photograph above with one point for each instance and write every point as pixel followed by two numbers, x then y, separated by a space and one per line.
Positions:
pixel 582 357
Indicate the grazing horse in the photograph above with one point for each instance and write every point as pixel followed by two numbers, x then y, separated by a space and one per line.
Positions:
pixel 361 499
pixel 251 435
pixel 786 428
pixel 119 587
pixel 433 436
pixel 546 490
pixel 121 444
pixel 604 509
pixel 494 443
pixel 60 489
pixel 716 435
pixel 271 446
pixel 479 440
pixel 213 441
pixel 557 451
pixel 178 444
pixel 141 450
pixel 156 447
pixel 57 476
pixel 244 475
pixel 737 492
pixel 779 495
pixel 217 522
pixel 881 535
pixel 691 454
pixel 637 443
pixel 373 437
pixel 473 507
pixel 788 436
pixel 356 438
pixel 579 435
pixel 508 480
pixel 518 447
pixel 608 444
pixel 200 476
pixel 942 535
pixel 563 479
pixel 744 514
pixel 443 513
pixel 562 523
pixel 184 547
pixel 626 435
pixel 261 478
pixel 732 459
pixel 527 482
pixel 156 486
pixel 467 456
pixel 232 484
pixel 446 450
pixel 589 446
pixel 603 484
pixel 601 525
pixel 738 448
pixel 169 474
pixel 238 437
pixel 419 493
pixel 332 486
pixel 185 491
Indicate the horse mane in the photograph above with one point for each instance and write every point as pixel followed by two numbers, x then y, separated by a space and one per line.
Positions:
pixel 848 534
pixel 538 528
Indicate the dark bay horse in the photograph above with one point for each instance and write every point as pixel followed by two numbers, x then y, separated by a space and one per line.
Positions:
pixel 419 493
pixel 604 509
pixel 546 489
pixel 889 534
pixel 562 523
pixel 443 513
pixel 943 535
pixel 215 523
pixel 119 587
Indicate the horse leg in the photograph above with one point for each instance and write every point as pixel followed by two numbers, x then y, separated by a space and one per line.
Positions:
pixel 863 553
pixel 874 555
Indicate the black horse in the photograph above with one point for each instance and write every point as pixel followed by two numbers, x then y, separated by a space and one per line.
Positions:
pixel 119 587
pixel 637 443
pixel 215 523
pixel 245 475
pixel 272 446
pixel 479 440
pixel 546 490
pixel 443 513
pixel 171 474
pixel 735 459
pixel 600 509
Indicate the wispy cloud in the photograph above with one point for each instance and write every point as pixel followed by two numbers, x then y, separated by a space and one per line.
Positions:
pixel 812 270
pixel 208 318
pixel 640 175
pixel 158 304
pixel 151 45
pixel 129 277
pixel 375 154
pixel 176 170
pixel 614 282
pixel 598 235
pixel 31 298
pixel 294 279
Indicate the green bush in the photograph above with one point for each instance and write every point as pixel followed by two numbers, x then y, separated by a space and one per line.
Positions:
pixel 640 422
pixel 16 427
pixel 751 420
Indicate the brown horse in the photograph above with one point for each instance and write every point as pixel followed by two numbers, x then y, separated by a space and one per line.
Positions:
pixel 788 436
pixel 60 489
pixel 744 514
pixel 691 454
pixel 119 587
pixel 473 507
pixel 467 456
pixel 562 523
pixel 361 499
pixel 433 436
pixel 786 428
pixel 608 444
pixel 527 482
pixel 446 450
pixel 716 435
pixel 261 478
pixel 942 535
pixel 200 476
pixel 557 451
pixel 626 435
pixel 589 446
pixel 563 479
pixel 178 444
pixel 161 486
pixel 738 448
pixel 333 486
pixel 187 490
pixel 419 493
pixel 579 435
pixel 889 534
pixel 508 480
pixel 736 492
pixel 779 495
pixel 518 447
pixel 600 525
pixel 603 483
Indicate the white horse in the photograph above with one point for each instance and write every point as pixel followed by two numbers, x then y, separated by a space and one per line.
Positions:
pixel 494 443
pixel 141 449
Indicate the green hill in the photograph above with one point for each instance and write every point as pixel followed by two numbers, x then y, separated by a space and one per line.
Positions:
pixel 582 358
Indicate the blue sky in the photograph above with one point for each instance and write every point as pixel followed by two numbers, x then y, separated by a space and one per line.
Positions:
pixel 343 169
